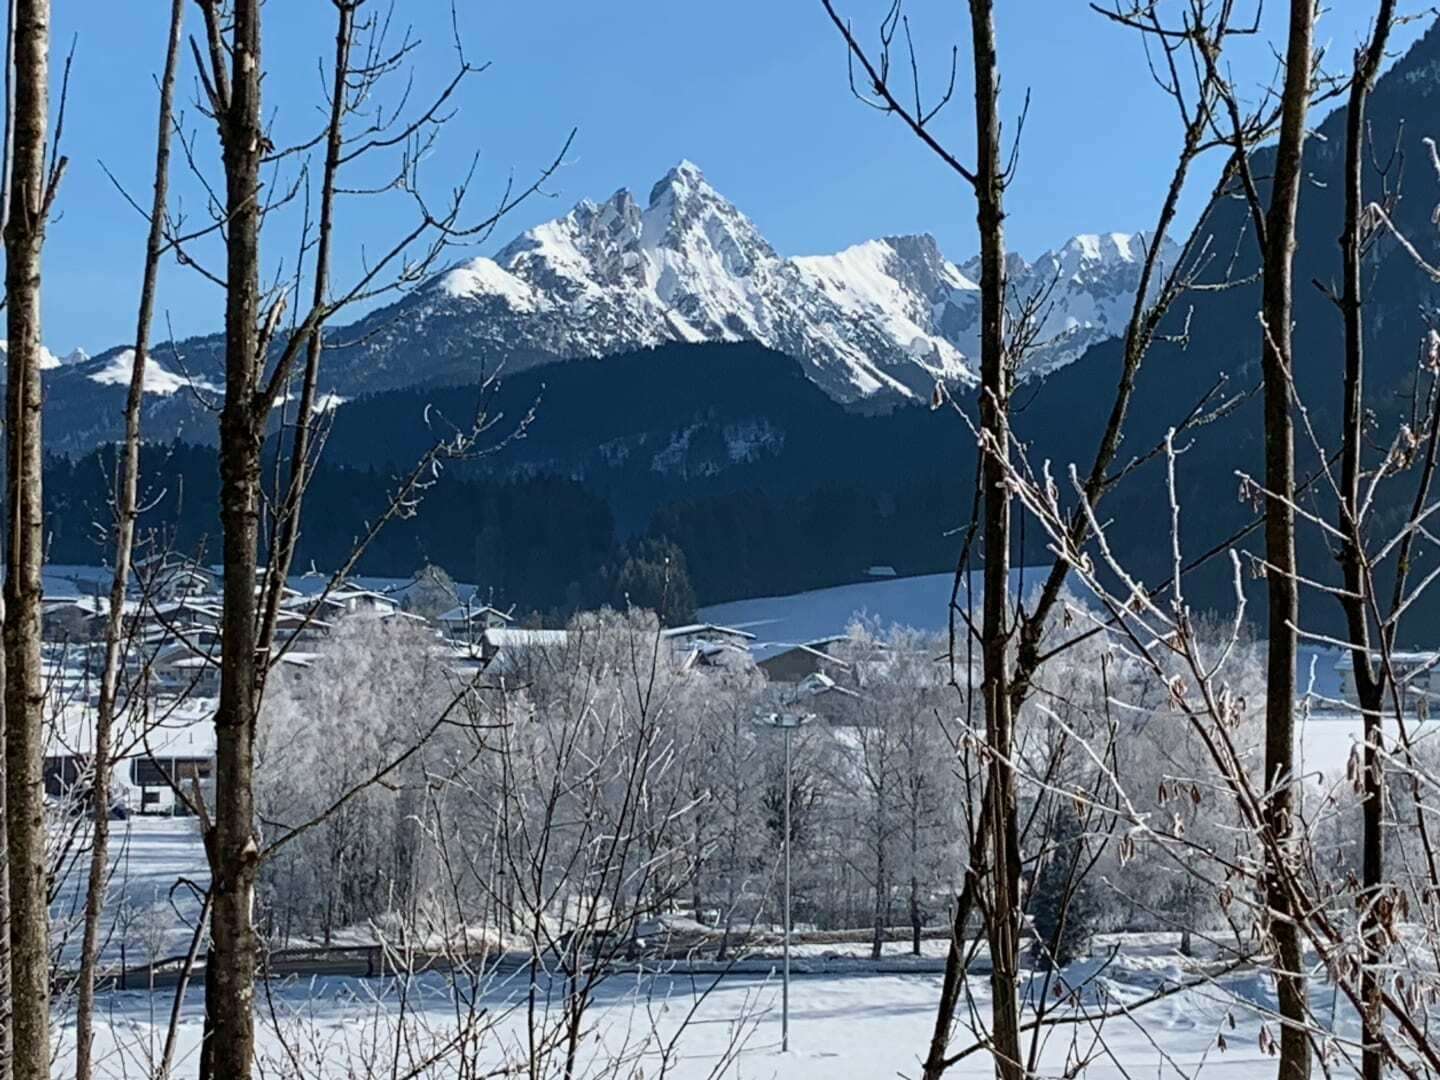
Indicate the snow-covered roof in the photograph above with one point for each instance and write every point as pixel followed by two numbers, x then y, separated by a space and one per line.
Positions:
pixel 511 638
pixel 813 648
pixel 466 613
pixel 55 603
pixel 818 683
pixel 692 629
pixel 345 594
pixel 708 652
pixel 1412 659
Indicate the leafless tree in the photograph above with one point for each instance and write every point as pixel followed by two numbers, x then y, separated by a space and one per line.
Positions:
pixel 258 367
pixel 1370 679
pixel 36 178
pixel 126 495
pixel 1277 274
pixel 1009 634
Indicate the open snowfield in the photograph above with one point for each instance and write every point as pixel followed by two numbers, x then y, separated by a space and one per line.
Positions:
pixel 152 907
pixel 855 1027
pixel 851 1024
pixel 916 603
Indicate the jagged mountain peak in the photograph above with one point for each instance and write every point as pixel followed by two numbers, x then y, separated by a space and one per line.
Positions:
pixel 684 179
pixel 886 316
pixel 1105 247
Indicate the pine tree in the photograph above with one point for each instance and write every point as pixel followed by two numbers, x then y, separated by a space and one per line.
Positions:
pixel 1064 907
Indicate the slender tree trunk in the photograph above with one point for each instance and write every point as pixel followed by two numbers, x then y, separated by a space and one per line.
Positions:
pixel 1004 926
pixel 914 858
pixel 915 920
pixel 955 957
pixel 24 689
pixel 235 858
pixel 126 502
pixel 6 1060
pixel 1278 296
pixel 288 526
pixel 882 894
pixel 6 1000
pixel 1369 684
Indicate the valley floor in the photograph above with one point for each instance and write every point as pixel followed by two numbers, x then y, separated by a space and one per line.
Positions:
pixel 850 1027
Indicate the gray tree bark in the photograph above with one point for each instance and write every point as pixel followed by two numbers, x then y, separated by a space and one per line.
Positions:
pixel 1369 683
pixel 233 846
pixel 24 701
pixel 1003 921
pixel 1282 591
pixel 126 503
pixel 5 189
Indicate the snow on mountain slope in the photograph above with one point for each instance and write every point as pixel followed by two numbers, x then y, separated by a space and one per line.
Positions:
pixel 1089 285
pixel 117 369
pixel 884 319
pixel 887 316
pixel 686 266
pixel 48 360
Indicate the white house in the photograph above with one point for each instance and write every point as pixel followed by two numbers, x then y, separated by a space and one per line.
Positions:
pixel 1417 673
pixel 507 649
pixel 685 638
pixel 468 622
pixel 170 576
pixel 354 600
pixel 178 747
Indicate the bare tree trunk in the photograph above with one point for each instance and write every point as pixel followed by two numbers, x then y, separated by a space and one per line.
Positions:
pixel 882 895
pixel 1278 295
pixel 126 502
pixel 915 920
pixel 955 957
pixel 287 528
pixel 1004 909
pixel 24 690
pixel 6 1060
pixel 1369 684
pixel 230 988
pixel 6 999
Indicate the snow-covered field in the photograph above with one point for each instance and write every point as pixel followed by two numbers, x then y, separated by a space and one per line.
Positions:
pixel 153 908
pixel 853 1021
pixel 851 1027
pixel 916 603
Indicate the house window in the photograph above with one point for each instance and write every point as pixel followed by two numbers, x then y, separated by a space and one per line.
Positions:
pixel 62 773
pixel 153 772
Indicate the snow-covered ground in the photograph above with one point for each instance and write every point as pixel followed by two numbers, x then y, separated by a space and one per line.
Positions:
pixel 152 909
pixel 851 1027
pixel 915 603
pixel 848 1019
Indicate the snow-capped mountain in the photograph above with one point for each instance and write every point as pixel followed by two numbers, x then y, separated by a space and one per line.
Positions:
pixel 48 359
pixel 685 266
pixel 884 319
pixel 887 316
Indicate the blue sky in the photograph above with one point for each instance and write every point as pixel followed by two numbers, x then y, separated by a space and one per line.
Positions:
pixel 754 91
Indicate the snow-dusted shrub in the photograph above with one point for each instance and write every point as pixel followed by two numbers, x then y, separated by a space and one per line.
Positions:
pixel 367 699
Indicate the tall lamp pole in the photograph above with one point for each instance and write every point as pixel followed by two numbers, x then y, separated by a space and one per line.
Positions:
pixel 787 722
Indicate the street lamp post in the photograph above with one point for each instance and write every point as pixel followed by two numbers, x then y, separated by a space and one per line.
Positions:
pixel 787 722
